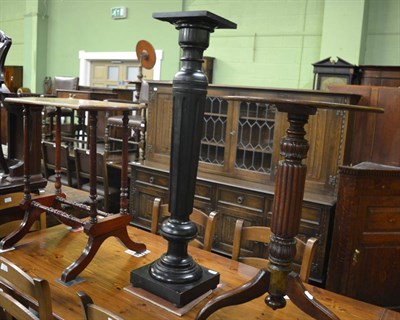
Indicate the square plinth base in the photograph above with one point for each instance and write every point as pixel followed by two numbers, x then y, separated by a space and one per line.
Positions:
pixel 178 294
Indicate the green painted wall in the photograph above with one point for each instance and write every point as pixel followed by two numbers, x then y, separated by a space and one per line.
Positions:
pixel 275 43
pixel 87 25
pixel 343 29
pixel 12 23
pixel 382 43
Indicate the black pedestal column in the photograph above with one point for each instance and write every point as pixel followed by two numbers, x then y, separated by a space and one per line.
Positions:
pixel 175 276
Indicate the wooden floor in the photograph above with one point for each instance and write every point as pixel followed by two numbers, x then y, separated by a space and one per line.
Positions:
pixel 48 252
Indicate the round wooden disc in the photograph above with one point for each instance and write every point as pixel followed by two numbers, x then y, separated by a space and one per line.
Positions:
pixel 148 53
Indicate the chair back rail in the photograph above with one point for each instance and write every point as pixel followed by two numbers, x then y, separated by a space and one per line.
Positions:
pixel 31 292
pixel 103 187
pixel 206 223
pixel 92 311
pixel 67 167
pixel 304 250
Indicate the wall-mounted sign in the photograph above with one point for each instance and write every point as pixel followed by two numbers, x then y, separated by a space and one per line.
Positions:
pixel 118 12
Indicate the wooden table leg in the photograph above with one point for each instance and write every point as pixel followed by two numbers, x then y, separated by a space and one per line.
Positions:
pixel 93 165
pixel 112 226
pixel 27 132
pixel 123 204
pixel 57 170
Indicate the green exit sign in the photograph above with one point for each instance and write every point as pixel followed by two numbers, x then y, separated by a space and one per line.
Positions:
pixel 118 13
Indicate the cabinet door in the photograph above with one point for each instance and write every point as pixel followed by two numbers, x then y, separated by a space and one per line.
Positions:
pixel 146 185
pixel 159 128
pixel 233 204
pixel 375 258
pixel 253 146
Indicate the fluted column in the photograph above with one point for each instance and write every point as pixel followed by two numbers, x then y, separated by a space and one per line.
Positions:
pixel 289 191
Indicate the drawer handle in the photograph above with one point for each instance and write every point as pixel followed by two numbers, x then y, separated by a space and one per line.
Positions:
pixel 151 180
pixel 240 199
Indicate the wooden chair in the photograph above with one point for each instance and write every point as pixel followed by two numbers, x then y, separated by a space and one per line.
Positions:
pixel 67 130
pixel 21 292
pixel 305 251
pixel 68 172
pixel 136 125
pixel 205 223
pixel 95 312
pixel 105 191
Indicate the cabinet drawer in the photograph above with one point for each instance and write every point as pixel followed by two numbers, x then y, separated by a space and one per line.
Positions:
pixel 152 178
pixel 241 199
pixel 203 191
pixel 382 219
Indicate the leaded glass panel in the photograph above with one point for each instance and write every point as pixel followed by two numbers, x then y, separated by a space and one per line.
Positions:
pixel 214 129
pixel 255 136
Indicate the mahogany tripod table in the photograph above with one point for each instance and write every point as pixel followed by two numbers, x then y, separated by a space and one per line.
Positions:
pixel 100 225
pixel 276 278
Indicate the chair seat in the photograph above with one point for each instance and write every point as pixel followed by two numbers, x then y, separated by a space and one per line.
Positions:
pixel 86 201
pixel 100 189
pixel 65 112
pixel 64 180
pixel 133 121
